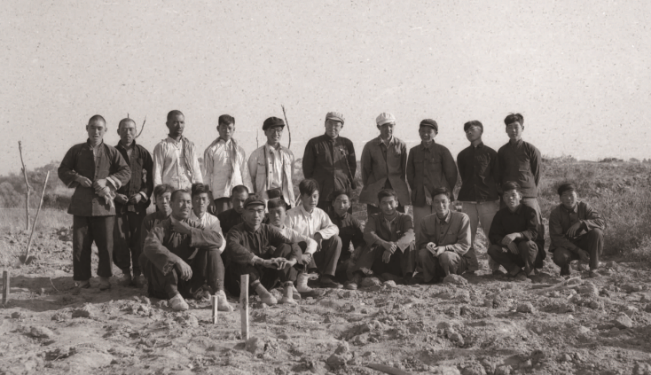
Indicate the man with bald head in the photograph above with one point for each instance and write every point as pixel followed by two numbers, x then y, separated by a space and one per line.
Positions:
pixel 175 158
pixel 131 202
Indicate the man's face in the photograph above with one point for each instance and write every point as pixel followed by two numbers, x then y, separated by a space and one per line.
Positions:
pixel 226 131
pixel 514 130
pixel 333 128
pixel 238 201
pixel 127 132
pixel 441 205
pixel 277 216
pixel 341 204
pixel 569 199
pixel 96 130
pixel 274 134
pixel 310 201
pixel 427 133
pixel 176 125
pixel 386 130
pixel 253 215
pixel 388 205
pixel 473 133
pixel 511 199
pixel 181 206
pixel 200 203
pixel 163 203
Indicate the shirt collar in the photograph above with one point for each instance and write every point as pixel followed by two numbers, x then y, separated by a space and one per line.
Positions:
pixel 304 212
pixel 571 210
pixel 90 146
pixel 251 229
pixel 429 145
pixel 516 143
pixel 517 210
pixel 386 143
pixel 121 145
pixel 446 220
pixel 174 141
pixel 222 140
pixel 480 145
pixel 342 217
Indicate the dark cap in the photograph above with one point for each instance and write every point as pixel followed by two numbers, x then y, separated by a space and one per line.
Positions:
pixel 566 187
pixel 431 123
pixel 272 122
pixel 253 200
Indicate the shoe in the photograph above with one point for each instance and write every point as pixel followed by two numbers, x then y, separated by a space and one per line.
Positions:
pixel 295 293
pixel 222 302
pixel 201 295
pixel 415 279
pixel 565 270
pixel 137 282
pixel 125 279
pixel 326 282
pixel 301 282
pixel 265 296
pixel 354 283
pixel 288 296
pixel 520 277
pixel 104 283
pixel 498 272
pixel 177 303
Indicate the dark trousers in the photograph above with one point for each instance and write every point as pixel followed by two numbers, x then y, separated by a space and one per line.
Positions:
pixel 222 204
pixel 400 264
pixel 267 276
pixel 85 230
pixel 325 260
pixel 207 268
pixel 513 263
pixel 126 241
pixel 436 268
pixel 371 209
pixel 592 242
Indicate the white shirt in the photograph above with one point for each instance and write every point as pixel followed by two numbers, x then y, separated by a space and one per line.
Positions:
pixel 218 168
pixel 275 160
pixel 308 224
pixel 295 237
pixel 211 222
pixel 169 167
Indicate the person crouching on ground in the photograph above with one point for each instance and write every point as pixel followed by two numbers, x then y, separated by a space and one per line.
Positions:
pixel 180 257
pixel 513 235
pixel 389 236
pixel 351 232
pixel 162 199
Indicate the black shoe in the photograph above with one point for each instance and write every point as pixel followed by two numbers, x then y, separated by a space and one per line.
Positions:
pixel 415 279
pixel 327 282
pixel 355 282
pixel 565 270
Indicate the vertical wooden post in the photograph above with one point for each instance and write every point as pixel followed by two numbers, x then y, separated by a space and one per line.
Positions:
pixel 244 306
pixel 31 234
pixel 214 309
pixel 5 287
pixel 27 186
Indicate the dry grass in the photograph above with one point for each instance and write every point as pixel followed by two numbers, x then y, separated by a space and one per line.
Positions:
pixel 12 220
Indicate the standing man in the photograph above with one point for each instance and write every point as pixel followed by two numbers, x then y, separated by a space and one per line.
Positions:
pixel 271 166
pixel 175 158
pixel 131 202
pixel 478 195
pixel 430 166
pixel 384 166
pixel 330 160
pixel 224 163
pixel 95 170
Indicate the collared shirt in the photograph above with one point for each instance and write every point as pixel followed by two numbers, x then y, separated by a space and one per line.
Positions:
pixel 263 164
pixel 101 162
pixel 478 168
pixel 452 233
pixel 351 230
pixel 225 167
pixel 524 220
pixel 520 162
pixel 310 223
pixel 244 243
pixel 295 237
pixel 379 230
pixel 228 219
pixel 150 222
pixel 562 218
pixel 170 168
pixel 331 162
pixel 430 166
pixel 275 161
pixel 211 222
pixel 141 182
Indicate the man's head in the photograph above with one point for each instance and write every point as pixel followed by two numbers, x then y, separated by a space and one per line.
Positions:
pixel 388 201
pixel 181 204
pixel 385 123
pixel 163 197
pixel 239 194
pixel 441 201
pixel 473 129
pixel 253 212
pixel 514 126
pixel 340 202
pixel 127 130
pixel 277 212
pixel 568 196
pixel 334 121
pixel 175 123
pixel 428 130
pixel 273 129
pixel 511 194
pixel 200 198
pixel 96 128
pixel 309 189
pixel 226 127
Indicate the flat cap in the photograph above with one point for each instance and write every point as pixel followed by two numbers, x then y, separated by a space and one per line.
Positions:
pixel 253 200
pixel 431 123
pixel 385 118
pixel 335 116
pixel 272 122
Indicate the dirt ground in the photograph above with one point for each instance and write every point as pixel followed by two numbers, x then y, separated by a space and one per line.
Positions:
pixel 468 325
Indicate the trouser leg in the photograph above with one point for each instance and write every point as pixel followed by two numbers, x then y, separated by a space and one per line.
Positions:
pixel 287 274
pixel 236 270
pixel 121 242
pixel 428 264
pixel 593 243
pixel 82 239
pixel 326 259
pixel 451 263
pixel 420 213
pixel 102 228
pixel 472 210
pixel 511 262
pixel 528 253
pixel 135 228
pixel 159 285
pixel 562 257
pixel 208 268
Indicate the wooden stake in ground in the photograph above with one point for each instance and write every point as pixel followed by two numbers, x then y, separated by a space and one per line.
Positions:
pixel 27 186
pixel 214 309
pixel 244 306
pixel 289 132
pixel 5 286
pixel 29 243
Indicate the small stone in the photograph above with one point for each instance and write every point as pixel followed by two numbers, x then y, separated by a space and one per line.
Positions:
pixel 526 307
pixel 18 315
pixel 254 345
pixel 457 339
pixel 86 311
pixel 336 362
pixel 474 369
pixel 455 280
pixel 162 303
pixel 623 321
pixel 565 358
pixel 342 348
pixel 588 289
pixel 41 332
pixel 527 364
pixel 503 370
pixel 538 356
pixel 145 300
pixel 390 284
pixel 631 311
pixel 60 316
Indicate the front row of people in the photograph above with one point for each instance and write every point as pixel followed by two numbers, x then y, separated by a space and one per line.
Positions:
pixel 186 255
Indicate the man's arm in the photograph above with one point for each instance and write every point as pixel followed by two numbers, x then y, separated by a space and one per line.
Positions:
pixel 163 259
pixel 366 163
pixel 253 169
pixel 352 161
pixel 204 237
pixel 208 164
pixel 277 238
pixel 536 165
pixel 403 162
pixel 244 170
pixel 408 236
pixel 237 252
pixel 328 228
pixel 370 234
pixel 463 242
pixel 557 234
pixel 593 219
pixel 411 171
pixel 295 237
pixel 196 167
pixel 159 160
pixel 533 222
pixel 449 168
pixel 122 173
pixel 66 171
pixel 422 237
pixel 309 159
pixel 146 189
pixel 461 165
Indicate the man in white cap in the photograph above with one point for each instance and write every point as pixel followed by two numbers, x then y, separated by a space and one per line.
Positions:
pixel 384 166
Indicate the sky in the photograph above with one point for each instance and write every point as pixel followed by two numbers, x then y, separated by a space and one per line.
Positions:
pixel 579 71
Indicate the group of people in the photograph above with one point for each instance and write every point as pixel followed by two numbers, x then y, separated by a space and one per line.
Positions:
pixel 238 216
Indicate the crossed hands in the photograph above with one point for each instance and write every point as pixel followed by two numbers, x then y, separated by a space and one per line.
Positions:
pixel 435 250
pixel 184 270
pixel 508 242
pixel 123 199
pixel 573 231
pixel 277 263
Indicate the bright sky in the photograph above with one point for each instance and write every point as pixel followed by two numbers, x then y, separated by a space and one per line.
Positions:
pixel 579 71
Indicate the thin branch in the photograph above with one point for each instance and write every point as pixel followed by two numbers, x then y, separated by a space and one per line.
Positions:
pixel 289 132
pixel 29 243
pixel 143 127
pixel 28 187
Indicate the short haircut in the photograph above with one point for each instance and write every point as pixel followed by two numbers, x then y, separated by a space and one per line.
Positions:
pixel 96 118
pixel 124 121
pixel 199 188
pixel 468 124
pixel 226 120
pixel 441 190
pixel 384 193
pixel 179 191
pixel 566 187
pixel 162 189
pixel 239 189
pixel 510 185
pixel 276 203
pixel 514 117
pixel 173 113
pixel 308 186
pixel 337 193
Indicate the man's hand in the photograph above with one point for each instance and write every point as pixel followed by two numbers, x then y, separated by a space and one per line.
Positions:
pixel 101 183
pixel 513 248
pixel 319 239
pixel 584 257
pixel 510 238
pixel 390 246
pixel 121 198
pixel 180 227
pixel 268 263
pixel 306 259
pixel 440 250
pixel 283 263
pixel 84 181
pixel 386 256
pixel 431 247
pixel 428 200
pixel 135 199
pixel 184 269
pixel 574 230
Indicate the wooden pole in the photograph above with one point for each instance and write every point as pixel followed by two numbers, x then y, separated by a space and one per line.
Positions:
pixel 289 132
pixel 29 243
pixel 244 306
pixel 214 309
pixel 27 186
pixel 5 287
